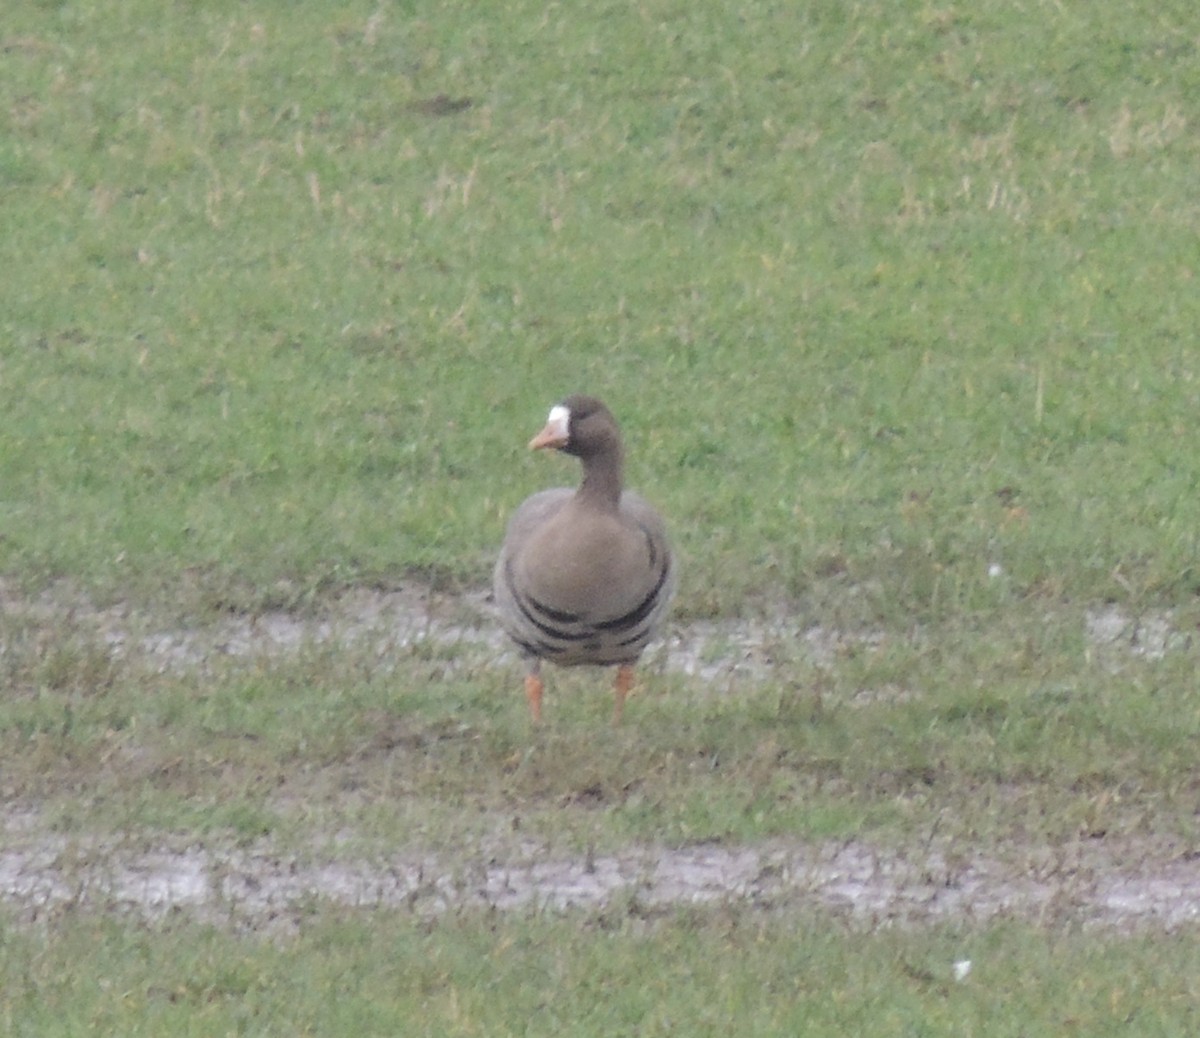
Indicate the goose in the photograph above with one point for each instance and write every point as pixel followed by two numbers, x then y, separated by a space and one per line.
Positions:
pixel 584 576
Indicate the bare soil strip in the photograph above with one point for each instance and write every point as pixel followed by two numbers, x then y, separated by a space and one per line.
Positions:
pixel 387 622
pixel 1082 884
pixel 1147 885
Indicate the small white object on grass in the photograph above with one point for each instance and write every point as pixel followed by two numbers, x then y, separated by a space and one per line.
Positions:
pixel 995 570
pixel 961 969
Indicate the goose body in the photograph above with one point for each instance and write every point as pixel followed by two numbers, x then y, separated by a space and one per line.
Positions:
pixel 584 576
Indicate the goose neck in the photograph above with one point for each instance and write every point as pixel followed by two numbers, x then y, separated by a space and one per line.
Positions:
pixel 602 479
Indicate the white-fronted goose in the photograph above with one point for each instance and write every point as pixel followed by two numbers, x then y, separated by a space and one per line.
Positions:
pixel 586 575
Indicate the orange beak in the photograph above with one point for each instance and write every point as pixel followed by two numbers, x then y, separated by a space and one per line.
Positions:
pixel 551 436
pixel 556 433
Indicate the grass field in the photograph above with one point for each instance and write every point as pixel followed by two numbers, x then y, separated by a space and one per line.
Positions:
pixel 897 305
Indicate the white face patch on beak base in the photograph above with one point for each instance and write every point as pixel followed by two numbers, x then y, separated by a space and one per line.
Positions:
pixel 557 433
pixel 559 420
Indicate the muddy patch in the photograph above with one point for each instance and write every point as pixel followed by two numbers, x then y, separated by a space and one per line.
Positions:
pixel 386 624
pixel 1114 635
pixel 1092 882
pixel 1084 883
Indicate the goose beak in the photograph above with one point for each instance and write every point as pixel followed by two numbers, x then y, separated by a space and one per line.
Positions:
pixel 556 434
pixel 548 437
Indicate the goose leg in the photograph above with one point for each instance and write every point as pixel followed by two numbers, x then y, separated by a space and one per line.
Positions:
pixel 621 687
pixel 533 693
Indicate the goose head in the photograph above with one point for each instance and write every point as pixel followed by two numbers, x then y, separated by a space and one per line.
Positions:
pixel 581 426
pixel 584 428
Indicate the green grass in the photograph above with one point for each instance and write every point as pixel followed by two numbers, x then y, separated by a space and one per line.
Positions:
pixel 846 274
pixel 884 296
pixel 1000 744
pixel 628 970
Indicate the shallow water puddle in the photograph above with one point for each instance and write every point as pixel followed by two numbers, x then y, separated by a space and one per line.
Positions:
pixel 388 622
pixel 40 871
pixel 869 886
